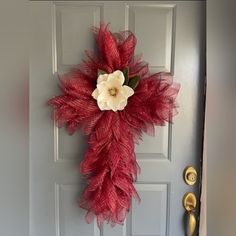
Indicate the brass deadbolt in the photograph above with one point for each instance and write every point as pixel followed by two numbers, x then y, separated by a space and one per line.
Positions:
pixel 190 175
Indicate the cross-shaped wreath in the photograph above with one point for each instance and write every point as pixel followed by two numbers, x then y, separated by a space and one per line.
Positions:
pixel 113 98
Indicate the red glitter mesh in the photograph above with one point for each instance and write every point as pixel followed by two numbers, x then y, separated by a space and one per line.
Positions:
pixel 110 165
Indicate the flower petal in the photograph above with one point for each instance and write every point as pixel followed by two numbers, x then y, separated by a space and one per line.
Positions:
pixel 116 77
pixel 102 78
pixel 127 91
pixel 102 105
pixel 102 86
pixel 95 93
pixel 122 105
pixel 114 102
pixel 120 75
pixel 104 96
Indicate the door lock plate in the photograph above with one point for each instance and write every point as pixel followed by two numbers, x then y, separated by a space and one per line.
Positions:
pixel 190 175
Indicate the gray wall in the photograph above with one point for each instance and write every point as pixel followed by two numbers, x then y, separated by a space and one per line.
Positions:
pixel 221 117
pixel 14 192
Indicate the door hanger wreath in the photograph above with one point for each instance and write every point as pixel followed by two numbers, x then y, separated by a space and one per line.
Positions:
pixel 113 98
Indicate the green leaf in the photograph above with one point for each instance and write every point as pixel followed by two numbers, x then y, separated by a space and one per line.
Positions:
pixel 101 72
pixel 126 75
pixel 134 81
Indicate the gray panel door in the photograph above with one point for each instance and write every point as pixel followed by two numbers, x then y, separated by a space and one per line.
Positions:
pixel 171 38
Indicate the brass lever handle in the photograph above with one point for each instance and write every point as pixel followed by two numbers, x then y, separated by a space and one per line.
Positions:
pixel 190 202
pixel 191 224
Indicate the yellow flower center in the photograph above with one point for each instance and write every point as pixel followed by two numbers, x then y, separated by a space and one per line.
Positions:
pixel 113 91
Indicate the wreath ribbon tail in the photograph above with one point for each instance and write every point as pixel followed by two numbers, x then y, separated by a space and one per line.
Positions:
pixel 110 172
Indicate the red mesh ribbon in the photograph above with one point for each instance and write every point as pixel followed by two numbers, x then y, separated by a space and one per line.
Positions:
pixel 110 165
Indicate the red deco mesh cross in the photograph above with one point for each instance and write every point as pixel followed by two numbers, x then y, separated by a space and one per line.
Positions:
pixel 110 165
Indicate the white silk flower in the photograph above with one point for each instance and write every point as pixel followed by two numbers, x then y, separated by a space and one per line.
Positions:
pixel 110 93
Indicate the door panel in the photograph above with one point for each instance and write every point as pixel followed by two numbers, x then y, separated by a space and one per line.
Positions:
pixel 150 217
pixel 153 38
pixel 69 148
pixel 69 221
pixel 170 38
pixel 72 35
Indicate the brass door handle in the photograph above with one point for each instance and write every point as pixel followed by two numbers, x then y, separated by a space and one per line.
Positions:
pixel 191 224
pixel 190 202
